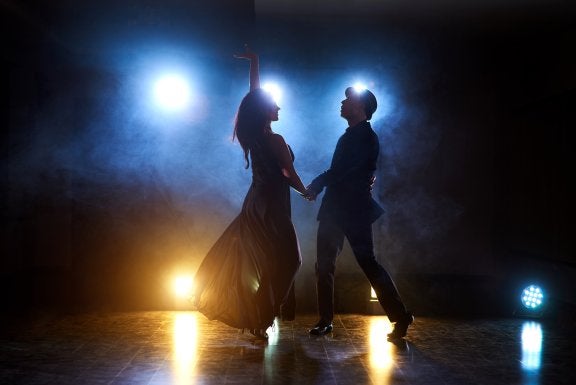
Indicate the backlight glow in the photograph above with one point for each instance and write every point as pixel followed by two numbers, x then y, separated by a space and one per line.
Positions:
pixel 172 92
pixel 182 286
pixel 274 90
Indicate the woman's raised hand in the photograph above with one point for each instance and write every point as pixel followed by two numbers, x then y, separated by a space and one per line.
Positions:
pixel 247 54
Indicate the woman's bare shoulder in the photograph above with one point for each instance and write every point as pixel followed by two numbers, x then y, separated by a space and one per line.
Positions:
pixel 276 139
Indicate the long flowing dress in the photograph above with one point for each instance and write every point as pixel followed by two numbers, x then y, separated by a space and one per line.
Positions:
pixel 248 274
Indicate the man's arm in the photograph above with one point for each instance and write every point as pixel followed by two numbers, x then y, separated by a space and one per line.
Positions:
pixel 354 159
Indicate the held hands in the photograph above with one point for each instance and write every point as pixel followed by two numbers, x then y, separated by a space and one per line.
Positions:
pixel 247 54
pixel 310 194
pixel 309 197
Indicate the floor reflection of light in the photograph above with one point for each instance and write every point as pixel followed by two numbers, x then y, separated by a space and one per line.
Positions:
pixel 273 333
pixel 270 364
pixel 380 353
pixel 185 344
pixel 531 346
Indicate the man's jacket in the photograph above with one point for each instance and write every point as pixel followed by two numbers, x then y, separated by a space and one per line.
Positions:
pixel 349 180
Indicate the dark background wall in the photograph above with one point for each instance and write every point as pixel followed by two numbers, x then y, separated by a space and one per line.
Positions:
pixel 105 198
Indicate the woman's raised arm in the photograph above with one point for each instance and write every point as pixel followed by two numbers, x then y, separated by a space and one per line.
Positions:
pixel 254 66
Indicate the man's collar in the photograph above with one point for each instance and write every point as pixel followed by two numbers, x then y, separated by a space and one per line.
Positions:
pixel 363 123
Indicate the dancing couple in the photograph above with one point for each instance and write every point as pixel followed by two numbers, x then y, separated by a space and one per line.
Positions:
pixel 247 277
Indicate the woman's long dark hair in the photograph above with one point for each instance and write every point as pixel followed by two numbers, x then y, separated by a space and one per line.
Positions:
pixel 252 120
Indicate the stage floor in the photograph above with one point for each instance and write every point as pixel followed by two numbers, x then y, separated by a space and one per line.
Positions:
pixel 165 347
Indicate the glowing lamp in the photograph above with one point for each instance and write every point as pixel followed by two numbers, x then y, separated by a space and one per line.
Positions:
pixel 373 296
pixel 532 297
pixel 374 306
pixel 182 286
pixel 172 92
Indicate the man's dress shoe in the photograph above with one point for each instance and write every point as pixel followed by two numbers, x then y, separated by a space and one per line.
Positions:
pixel 401 327
pixel 321 328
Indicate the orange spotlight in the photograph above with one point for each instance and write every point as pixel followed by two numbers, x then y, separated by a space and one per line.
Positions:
pixel 182 286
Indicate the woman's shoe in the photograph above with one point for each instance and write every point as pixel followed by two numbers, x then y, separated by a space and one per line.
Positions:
pixel 259 334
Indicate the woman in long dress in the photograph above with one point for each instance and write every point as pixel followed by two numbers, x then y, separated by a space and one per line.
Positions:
pixel 248 274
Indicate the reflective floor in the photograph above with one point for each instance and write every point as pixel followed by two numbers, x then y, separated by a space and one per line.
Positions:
pixel 186 348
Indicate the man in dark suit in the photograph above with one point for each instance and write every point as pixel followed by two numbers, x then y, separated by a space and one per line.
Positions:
pixel 348 211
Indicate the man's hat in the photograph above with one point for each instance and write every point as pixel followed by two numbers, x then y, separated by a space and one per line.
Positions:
pixel 366 97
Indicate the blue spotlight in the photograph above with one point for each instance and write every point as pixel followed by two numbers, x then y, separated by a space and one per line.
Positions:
pixel 172 92
pixel 274 90
pixel 533 298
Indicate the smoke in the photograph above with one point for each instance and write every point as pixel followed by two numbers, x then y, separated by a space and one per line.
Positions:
pixel 421 211
pixel 167 185
pixel 118 151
